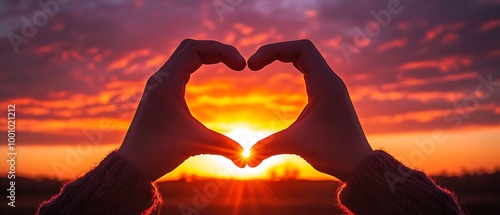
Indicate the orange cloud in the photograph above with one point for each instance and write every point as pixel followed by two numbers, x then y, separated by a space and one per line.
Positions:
pixel 427 96
pixel 205 88
pixel 156 61
pixel 120 84
pixel 124 61
pixel 419 116
pixel 410 82
pixel 285 76
pixel 244 29
pixel 257 39
pixel 68 106
pixel 101 109
pixel 58 94
pixel 229 38
pixel 54 126
pixel 360 93
pixel 387 95
pixel 266 100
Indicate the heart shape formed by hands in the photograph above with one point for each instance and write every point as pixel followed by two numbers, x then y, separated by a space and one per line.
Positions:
pixel 327 133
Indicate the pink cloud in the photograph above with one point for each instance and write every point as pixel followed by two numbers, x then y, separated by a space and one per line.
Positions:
pixel 441 29
pixel 433 33
pixel 392 44
pixel 450 38
pixel 490 25
pixel 444 64
pixel 333 42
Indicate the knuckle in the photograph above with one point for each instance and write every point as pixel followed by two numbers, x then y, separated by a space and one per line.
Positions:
pixel 263 48
pixel 192 45
pixel 232 48
pixel 151 84
pixel 186 41
pixel 306 43
pixel 151 80
pixel 341 83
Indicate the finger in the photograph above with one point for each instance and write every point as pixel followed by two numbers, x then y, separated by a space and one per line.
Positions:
pixel 197 53
pixel 319 77
pixel 218 144
pixel 189 56
pixel 176 52
pixel 302 53
pixel 278 143
pixel 302 114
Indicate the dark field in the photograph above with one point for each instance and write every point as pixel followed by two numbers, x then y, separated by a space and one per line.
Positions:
pixel 478 193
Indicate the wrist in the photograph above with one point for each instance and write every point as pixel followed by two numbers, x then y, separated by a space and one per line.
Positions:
pixel 353 162
pixel 137 163
pixel 358 161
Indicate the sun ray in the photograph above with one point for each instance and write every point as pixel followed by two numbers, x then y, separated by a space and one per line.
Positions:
pixel 246 153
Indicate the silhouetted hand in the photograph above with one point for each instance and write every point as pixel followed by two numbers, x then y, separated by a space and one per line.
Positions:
pixel 163 132
pixel 327 134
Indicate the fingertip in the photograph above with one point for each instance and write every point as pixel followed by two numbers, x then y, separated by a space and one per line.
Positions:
pixel 240 163
pixel 241 64
pixel 238 159
pixel 252 63
pixel 257 155
pixel 252 163
pixel 186 40
pixel 234 60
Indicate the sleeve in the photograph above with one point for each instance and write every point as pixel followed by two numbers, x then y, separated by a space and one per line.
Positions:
pixel 382 185
pixel 113 187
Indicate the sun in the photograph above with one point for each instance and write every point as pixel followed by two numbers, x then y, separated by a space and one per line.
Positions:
pixel 246 138
pixel 246 153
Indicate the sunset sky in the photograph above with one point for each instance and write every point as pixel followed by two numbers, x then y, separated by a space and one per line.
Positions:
pixel 421 81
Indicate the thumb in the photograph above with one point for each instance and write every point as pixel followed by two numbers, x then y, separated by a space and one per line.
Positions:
pixel 218 144
pixel 278 143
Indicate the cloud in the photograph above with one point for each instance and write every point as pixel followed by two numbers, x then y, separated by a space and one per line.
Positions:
pixel 80 68
pixel 392 44
pixel 490 25
pixel 445 64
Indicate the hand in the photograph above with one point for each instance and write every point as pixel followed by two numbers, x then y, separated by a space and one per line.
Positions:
pixel 327 134
pixel 163 132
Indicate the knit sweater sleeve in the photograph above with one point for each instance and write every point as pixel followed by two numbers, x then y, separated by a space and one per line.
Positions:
pixel 382 185
pixel 113 187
